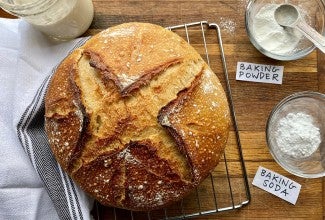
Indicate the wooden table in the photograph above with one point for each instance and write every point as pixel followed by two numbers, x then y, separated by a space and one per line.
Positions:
pixel 253 101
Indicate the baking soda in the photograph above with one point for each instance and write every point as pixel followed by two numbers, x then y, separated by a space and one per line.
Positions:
pixel 297 136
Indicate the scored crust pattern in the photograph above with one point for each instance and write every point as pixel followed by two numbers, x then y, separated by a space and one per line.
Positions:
pixel 136 117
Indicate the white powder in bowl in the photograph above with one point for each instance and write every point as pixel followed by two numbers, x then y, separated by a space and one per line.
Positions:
pixel 270 35
pixel 297 136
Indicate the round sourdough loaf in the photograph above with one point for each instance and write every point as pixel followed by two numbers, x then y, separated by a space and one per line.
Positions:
pixel 136 117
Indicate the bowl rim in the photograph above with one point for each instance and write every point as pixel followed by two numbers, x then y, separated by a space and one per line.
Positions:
pixel 291 97
pixel 298 55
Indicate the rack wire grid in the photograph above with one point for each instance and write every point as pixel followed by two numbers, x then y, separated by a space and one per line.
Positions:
pixel 227 187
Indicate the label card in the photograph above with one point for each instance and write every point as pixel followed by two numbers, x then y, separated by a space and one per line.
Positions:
pixel 277 184
pixel 259 73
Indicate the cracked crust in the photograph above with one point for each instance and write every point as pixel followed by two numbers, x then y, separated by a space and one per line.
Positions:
pixel 136 117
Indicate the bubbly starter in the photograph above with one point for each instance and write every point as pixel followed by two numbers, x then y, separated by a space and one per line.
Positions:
pixel 64 19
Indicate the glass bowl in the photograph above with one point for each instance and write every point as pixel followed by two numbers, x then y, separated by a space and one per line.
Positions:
pixel 295 134
pixel 275 41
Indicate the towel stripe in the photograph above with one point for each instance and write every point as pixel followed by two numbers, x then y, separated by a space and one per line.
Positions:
pixel 31 133
pixel 77 199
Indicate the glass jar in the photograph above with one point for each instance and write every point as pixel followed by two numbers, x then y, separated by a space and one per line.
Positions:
pixel 59 19
pixel 311 164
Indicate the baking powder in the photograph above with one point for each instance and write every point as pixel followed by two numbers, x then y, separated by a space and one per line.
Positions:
pixel 297 136
pixel 270 35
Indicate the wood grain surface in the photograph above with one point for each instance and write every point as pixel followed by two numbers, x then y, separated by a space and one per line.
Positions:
pixel 253 101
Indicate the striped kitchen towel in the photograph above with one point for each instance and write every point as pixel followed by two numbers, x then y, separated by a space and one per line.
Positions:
pixel 56 195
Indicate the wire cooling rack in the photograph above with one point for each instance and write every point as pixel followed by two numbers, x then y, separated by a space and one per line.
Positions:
pixel 227 186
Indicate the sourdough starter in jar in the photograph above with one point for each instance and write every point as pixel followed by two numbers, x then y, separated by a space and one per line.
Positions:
pixel 59 19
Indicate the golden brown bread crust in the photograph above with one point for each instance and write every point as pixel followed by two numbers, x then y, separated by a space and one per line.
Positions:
pixel 136 117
